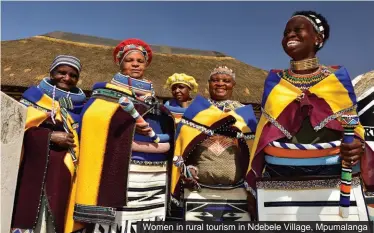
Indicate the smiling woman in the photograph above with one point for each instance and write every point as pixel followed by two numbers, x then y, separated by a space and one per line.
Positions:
pixel 305 35
pixel 47 178
pixel 302 107
pixel 212 143
pixel 122 175
pixel 65 77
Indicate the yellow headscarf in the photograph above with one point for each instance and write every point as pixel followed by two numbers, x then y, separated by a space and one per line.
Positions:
pixel 183 79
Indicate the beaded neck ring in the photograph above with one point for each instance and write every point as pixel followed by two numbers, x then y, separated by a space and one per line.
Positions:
pixel 306 64
pixel 133 91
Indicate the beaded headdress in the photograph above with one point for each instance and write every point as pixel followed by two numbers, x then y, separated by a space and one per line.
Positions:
pixel 130 45
pixel 223 70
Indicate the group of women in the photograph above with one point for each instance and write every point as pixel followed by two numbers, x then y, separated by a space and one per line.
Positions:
pixel 122 156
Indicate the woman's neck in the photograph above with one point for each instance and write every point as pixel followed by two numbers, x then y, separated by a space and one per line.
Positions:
pixel 127 75
pixel 184 104
pixel 306 65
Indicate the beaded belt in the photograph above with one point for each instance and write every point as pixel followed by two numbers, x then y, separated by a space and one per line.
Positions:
pixel 328 160
pixel 299 146
pixel 210 132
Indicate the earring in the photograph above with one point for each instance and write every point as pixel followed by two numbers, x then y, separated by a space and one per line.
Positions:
pixel 316 43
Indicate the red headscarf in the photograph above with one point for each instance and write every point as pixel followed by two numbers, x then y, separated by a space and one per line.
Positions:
pixel 123 48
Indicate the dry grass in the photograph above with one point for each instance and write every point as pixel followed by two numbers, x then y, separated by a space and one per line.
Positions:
pixel 25 62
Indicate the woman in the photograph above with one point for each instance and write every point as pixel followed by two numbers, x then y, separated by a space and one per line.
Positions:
pixel 211 149
pixel 181 85
pixel 50 152
pixel 122 175
pixel 300 131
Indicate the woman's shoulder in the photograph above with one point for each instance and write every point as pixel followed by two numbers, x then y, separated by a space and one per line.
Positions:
pixel 332 68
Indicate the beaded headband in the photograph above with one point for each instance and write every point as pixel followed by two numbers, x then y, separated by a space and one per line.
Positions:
pixel 223 70
pixel 130 48
pixel 317 24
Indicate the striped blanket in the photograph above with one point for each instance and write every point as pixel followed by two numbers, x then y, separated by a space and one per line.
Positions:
pixel 146 199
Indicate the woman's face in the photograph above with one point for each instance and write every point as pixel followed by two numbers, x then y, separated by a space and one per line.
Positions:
pixel 221 86
pixel 64 77
pixel 181 92
pixel 134 65
pixel 300 38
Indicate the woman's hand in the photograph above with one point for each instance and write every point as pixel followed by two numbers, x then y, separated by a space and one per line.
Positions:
pixel 142 128
pixel 191 182
pixel 63 139
pixel 352 152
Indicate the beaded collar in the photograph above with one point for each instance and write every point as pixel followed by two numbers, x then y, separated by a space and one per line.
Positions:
pixel 225 104
pixel 173 106
pixel 135 85
pixel 77 96
pixel 305 81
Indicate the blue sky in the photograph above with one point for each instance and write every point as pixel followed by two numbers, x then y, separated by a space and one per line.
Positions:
pixel 248 31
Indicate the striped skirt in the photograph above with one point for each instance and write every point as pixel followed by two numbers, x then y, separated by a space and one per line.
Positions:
pixel 216 205
pixel 146 199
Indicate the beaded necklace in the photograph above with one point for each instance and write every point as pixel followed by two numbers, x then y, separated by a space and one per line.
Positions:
pixel 224 104
pixel 305 81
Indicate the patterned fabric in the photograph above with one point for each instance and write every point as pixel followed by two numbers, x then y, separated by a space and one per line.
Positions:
pixel 216 205
pixel 40 99
pixel 17 230
pixel 146 199
pixel 308 200
pixel 104 188
pixel 218 144
pixel 217 161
